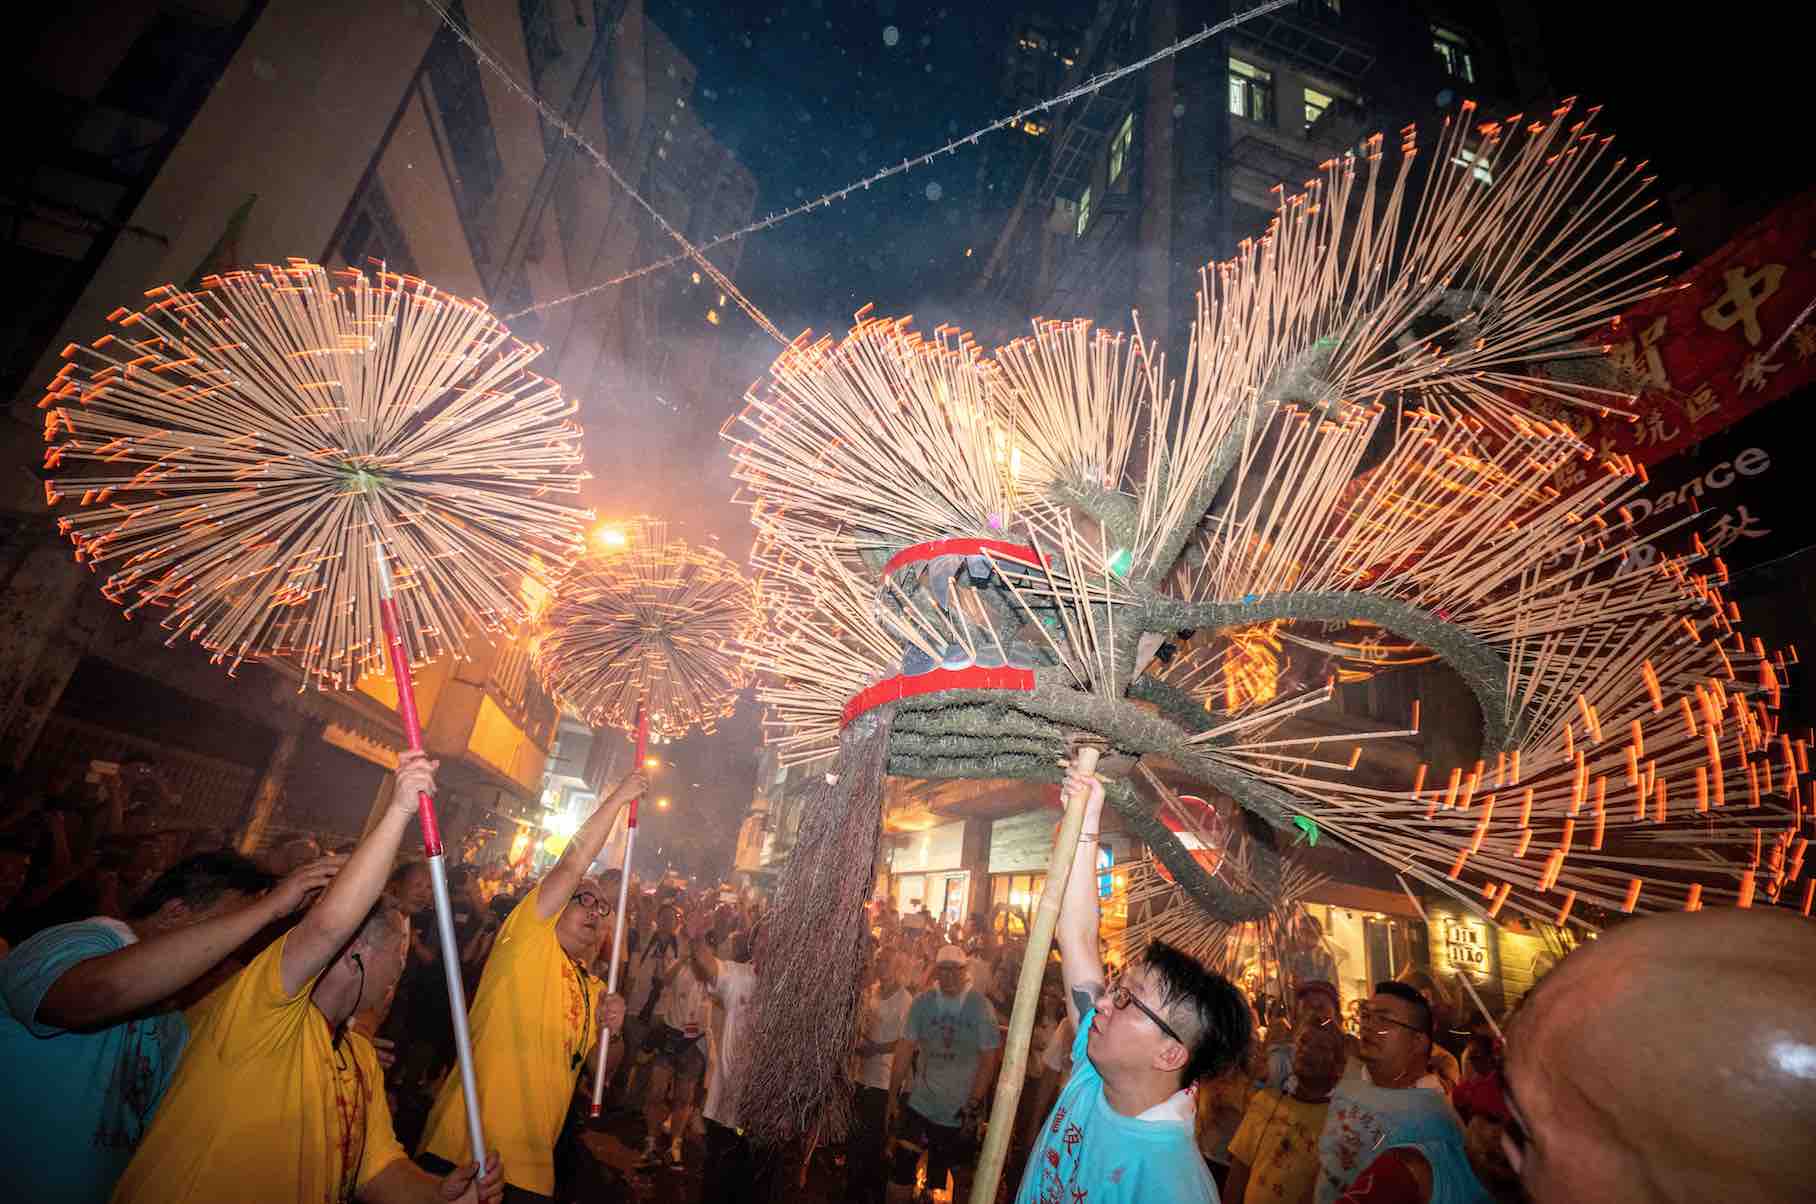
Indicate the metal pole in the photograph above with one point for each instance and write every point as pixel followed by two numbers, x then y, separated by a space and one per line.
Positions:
pixel 624 886
pixel 431 843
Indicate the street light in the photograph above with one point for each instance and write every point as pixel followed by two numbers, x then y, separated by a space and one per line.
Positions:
pixel 651 762
pixel 662 803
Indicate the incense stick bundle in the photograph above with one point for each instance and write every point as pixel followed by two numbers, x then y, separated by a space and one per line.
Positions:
pixel 651 623
pixel 237 450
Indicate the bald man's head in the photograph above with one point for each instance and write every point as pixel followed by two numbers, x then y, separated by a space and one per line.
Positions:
pixel 1674 1059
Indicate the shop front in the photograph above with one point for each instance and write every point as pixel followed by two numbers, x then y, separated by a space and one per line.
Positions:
pixel 1020 846
pixel 926 870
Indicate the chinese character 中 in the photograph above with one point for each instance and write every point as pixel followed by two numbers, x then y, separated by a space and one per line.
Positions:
pixel 1728 529
pixel 1739 304
pixel 1755 373
pixel 1639 361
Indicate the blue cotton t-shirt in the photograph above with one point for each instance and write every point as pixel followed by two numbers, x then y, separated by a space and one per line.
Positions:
pixel 73 1105
pixel 1088 1153
pixel 952 1035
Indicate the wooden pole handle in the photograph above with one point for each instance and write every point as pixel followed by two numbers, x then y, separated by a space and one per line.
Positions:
pixel 1010 1077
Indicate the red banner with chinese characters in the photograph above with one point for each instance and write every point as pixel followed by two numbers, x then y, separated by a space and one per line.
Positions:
pixel 1725 342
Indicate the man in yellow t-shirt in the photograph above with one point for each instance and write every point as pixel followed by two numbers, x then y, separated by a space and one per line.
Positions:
pixel 275 1099
pixel 536 1017
pixel 1274 1155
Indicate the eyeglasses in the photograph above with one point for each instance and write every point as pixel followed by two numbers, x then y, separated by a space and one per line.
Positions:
pixel 1121 997
pixel 1369 1017
pixel 591 902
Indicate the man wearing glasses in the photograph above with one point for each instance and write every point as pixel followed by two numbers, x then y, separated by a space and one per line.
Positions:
pixel 536 1016
pixel 1122 1129
pixel 1393 1139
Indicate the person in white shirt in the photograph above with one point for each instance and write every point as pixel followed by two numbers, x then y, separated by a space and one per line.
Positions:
pixel 680 1047
pixel 736 1171
pixel 883 1058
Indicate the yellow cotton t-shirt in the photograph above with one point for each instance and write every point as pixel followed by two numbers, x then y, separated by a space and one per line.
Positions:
pixel 530 1018
pixel 263 1106
pixel 1278 1140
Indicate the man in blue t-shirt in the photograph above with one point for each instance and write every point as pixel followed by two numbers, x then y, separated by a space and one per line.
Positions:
pixel 88 1036
pixel 953 1036
pixel 1122 1130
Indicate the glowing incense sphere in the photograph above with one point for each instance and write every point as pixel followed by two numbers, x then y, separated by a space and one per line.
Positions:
pixel 651 621
pixel 236 450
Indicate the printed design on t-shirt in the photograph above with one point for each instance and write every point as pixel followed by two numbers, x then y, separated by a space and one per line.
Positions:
pixel 1060 1159
pixel 1352 1136
pixel 350 1117
pixel 577 992
pixel 129 1095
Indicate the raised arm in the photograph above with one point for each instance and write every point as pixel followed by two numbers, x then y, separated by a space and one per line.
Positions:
pixel 1080 962
pixel 331 923
pixel 559 883
pixel 104 990
pixel 700 951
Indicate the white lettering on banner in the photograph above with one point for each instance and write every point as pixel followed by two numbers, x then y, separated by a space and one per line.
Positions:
pixel 1728 527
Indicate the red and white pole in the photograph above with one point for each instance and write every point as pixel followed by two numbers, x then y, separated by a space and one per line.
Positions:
pixel 624 886
pixel 431 844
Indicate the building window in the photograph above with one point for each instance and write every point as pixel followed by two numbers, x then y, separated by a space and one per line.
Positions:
pixel 540 44
pixel 460 98
pixel 1477 165
pixel 1012 901
pixel 1251 92
pixel 373 233
pixel 1453 51
pixel 1084 211
pixel 1315 104
pixel 1119 147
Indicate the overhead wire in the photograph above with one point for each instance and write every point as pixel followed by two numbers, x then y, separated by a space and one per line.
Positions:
pixel 697 252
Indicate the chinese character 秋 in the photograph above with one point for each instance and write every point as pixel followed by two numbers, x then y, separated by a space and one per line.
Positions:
pixel 1755 373
pixel 1638 360
pixel 1739 303
pixel 1728 529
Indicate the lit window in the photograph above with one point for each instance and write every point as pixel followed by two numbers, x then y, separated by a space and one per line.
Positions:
pixel 721 298
pixel 696 276
pixel 1251 92
pixel 712 315
pixel 1119 147
pixel 1477 165
pixel 1315 104
pixel 1453 51
pixel 1084 212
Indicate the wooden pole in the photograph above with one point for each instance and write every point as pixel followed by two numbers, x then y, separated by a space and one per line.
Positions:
pixel 1027 989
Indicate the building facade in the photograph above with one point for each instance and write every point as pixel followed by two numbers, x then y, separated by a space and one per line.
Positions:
pixel 176 140
pixel 1143 182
